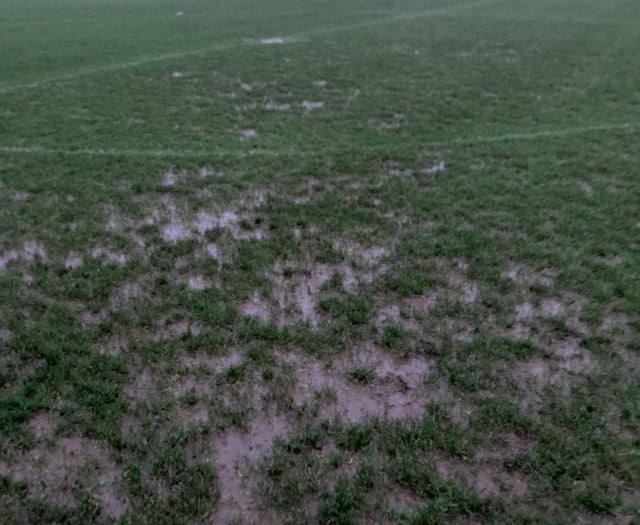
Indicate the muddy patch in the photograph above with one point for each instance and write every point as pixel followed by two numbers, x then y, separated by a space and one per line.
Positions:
pixel 198 283
pixel 403 499
pixel 113 345
pixel 256 308
pixel 236 452
pixel 53 473
pixel 118 258
pixel 485 480
pixel 42 426
pixel 171 178
pixel 31 251
pixel 73 261
pixel 394 390
pixel 525 276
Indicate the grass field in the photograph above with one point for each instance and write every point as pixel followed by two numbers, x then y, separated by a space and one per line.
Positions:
pixel 335 262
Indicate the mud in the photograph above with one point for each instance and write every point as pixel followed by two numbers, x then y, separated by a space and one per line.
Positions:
pixel 235 452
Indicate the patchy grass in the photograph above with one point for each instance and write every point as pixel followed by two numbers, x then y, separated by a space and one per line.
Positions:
pixel 357 262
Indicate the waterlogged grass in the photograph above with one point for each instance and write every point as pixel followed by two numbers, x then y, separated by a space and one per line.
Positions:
pixel 380 269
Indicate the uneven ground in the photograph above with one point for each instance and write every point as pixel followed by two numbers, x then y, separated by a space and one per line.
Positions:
pixel 319 262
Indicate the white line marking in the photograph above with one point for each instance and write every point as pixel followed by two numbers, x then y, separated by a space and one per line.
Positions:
pixel 244 43
pixel 197 154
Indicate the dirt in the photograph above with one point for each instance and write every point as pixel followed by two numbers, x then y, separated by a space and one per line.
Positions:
pixel 113 345
pixel 124 295
pixel 256 308
pixel 526 277
pixel 73 261
pixel 524 311
pixel 169 178
pixel 319 83
pixel 235 451
pixel 142 388
pixel 296 294
pixel 396 392
pixel 368 256
pixel 5 335
pixel 392 315
pixel 552 308
pixel 210 363
pixel 504 447
pixel 402 499
pixel 112 257
pixel 31 250
pixel 53 473
pixel 486 480
pixel 42 426
pixel 572 357
pixel 198 282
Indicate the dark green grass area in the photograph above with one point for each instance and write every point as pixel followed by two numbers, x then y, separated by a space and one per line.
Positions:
pixel 188 312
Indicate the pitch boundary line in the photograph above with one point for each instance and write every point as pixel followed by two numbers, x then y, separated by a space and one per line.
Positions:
pixel 245 43
pixel 197 154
